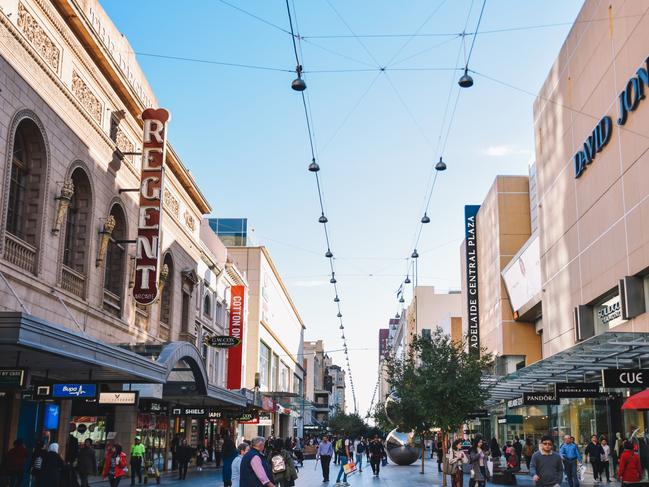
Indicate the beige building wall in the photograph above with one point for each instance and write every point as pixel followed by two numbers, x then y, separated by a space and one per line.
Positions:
pixel 503 226
pixel 593 228
pixel 429 310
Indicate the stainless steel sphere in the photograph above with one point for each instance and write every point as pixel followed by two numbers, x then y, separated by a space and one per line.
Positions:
pixel 391 409
pixel 403 448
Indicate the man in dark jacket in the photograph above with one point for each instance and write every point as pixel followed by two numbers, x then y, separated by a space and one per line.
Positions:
pixel 16 458
pixel 184 455
pixel 377 452
pixel 255 471
pixel 86 462
pixel 594 453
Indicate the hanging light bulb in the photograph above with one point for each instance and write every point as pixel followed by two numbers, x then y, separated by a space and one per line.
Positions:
pixel 323 219
pixel 329 254
pixel 339 315
pixel 407 280
pixel 333 279
pixel 465 81
pixel 341 327
pixel 313 167
pixel 441 165
pixel 425 219
pixel 298 83
pixel 415 255
pixel 401 300
pixel 336 299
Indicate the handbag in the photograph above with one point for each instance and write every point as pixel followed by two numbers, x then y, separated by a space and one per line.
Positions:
pixel 448 467
pixel 349 468
pixel 384 461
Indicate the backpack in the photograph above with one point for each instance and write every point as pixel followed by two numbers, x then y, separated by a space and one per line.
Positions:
pixel 340 447
pixel 278 464
pixel 360 448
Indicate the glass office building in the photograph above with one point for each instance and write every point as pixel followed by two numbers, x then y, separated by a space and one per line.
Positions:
pixel 233 232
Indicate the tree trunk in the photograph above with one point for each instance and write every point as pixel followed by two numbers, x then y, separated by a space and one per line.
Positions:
pixel 423 452
pixel 444 452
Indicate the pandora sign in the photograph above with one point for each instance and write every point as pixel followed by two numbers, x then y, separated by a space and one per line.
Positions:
pixel 147 252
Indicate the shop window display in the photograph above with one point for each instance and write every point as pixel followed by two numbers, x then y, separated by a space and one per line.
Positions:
pixel 152 428
pixel 93 427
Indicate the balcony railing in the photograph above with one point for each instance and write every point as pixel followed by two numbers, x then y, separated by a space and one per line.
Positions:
pixel 112 303
pixel 72 281
pixel 20 253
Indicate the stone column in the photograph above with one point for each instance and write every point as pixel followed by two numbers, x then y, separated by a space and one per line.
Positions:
pixel 125 426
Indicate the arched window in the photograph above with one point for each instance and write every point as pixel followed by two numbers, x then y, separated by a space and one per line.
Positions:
pixel 115 264
pixel 167 292
pixel 24 205
pixel 76 242
pixel 207 305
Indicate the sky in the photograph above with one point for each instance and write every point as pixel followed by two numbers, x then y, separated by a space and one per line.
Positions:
pixel 378 133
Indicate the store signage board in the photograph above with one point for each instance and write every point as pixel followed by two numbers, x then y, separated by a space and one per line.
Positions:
pixel 629 100
pixel 12 378
pixel 577 389
pixel 74 391
pixel 473 303
pixel 480 413
pixel 221 341
pixel 248 418
pixel 123 398
pixel 147 252
pixel 51 417
pixel 625 378
pixel 609 314
pixel 235 353
pixel 194 411
pixel 540 398
pixel 515 403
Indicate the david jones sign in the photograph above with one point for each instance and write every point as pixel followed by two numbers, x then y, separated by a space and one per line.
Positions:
pixel 629 100
pixel 147 251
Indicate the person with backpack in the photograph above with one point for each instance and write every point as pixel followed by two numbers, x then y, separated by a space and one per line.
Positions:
pixel 282 465
pixel 359 448
pixel 342 449
pixel 377 453
pixel 255 471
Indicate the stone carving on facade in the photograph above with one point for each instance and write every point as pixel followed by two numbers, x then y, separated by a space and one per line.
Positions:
pixel 171 203
pixel 189 220
pixel 38 38
pixel 87 98
pixel 124 144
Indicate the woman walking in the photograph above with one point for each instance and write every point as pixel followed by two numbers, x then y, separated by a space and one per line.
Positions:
pixel 629 469
pixel 229 454
pixel 52 467
pixel 478 460
pixel 458 458
pixel 528 451
pixel 115 465
pixel 282 465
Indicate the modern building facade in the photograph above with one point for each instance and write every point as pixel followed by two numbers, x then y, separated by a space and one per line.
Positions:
pixel 430 310
pixel 590 123
pixel 324 383
pixel 274 339
pixel 73 339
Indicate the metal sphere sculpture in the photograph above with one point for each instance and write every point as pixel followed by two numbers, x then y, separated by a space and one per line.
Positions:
pixel 403 448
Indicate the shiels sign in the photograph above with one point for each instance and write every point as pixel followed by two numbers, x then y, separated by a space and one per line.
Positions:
pixel 147 252
pixel 629 100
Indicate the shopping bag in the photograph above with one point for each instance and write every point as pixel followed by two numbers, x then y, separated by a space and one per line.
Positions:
pixel 490 468
pixel 384 461
pixel 349 468
pixel 447 467
pixel 581 471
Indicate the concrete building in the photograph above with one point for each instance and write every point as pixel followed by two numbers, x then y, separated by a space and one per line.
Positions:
pixel 274 343
pixel 324 383
pixel 429 310
pixel 72 96
pixel 592 164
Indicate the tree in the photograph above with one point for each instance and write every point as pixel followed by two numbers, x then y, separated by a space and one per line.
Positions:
pixel 352 424
pixel 438 383
pixel 381 419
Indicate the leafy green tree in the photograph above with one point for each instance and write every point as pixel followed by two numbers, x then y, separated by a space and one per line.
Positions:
pixel 381 419
pixel 438 383
pixel 352 424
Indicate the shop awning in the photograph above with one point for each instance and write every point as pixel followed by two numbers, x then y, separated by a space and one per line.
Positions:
pixel 58 353
pixel 581 363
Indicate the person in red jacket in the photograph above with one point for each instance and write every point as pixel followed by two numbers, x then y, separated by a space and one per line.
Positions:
pixel 629 469
pixel 115 465
pixel 16 458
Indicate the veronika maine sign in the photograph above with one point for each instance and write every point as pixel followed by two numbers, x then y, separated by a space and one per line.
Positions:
pixel 147 253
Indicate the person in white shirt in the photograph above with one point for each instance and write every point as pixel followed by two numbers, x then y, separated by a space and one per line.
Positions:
pixel 605 461
pixel 236 464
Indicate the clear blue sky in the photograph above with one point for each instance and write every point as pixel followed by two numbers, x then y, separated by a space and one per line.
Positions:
pixel 242 134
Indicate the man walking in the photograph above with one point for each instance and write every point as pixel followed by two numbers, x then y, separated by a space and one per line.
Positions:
pixel 255 471
pixel 342 448
pixel 86 462
pixel 571 456
pixel 324 453
pixel 546 466
pixel 137 457
pixel 594 454
pixel 376 452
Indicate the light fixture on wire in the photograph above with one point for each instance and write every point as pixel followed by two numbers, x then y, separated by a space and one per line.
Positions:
pixel 336 299
pixel 441 165
pixel 415 255
pixel 339 315
pixel 425 218
pixel 314 167
pixel 407 280
pixel 341 327
pixel 333 278
pixel 465 81
pixel 323 219
pixel 298 83
pixel 329 254
pixel 401 300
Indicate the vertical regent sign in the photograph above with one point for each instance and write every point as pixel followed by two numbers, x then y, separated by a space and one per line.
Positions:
pixel 472 301
pixel 147 251
pixel 235 354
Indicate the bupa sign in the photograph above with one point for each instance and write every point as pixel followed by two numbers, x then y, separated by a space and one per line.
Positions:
pixel 629 100
pixel 74 391
pixel 145 289
pixel 625 378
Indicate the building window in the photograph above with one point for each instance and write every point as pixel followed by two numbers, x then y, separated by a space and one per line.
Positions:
pixel 24 205
pixel 274 371
pixel 76 239
pixel 264 366
pixel 115 264
pixel 167 292
pixel 284 378
pixel 207 306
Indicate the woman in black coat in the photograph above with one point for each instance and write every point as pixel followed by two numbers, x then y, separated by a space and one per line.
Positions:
pixel 52 467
